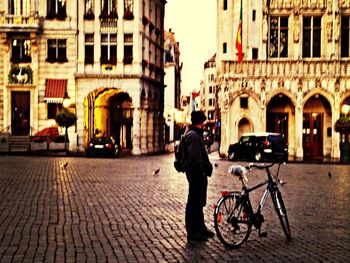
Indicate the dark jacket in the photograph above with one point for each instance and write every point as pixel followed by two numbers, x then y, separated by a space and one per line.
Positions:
pixel 198 160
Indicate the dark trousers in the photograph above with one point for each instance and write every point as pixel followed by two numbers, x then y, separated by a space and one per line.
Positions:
pixel 197 195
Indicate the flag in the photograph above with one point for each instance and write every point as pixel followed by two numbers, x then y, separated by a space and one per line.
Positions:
pixel 195 94
pixel 239 38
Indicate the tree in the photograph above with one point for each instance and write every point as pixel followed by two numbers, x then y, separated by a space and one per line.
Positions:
pixel 65 118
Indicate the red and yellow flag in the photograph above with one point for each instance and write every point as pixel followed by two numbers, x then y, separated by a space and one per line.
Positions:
pixel 239 38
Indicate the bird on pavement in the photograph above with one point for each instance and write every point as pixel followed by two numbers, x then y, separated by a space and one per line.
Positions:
pixel 65 166
pixel 329 174
pixel 156 171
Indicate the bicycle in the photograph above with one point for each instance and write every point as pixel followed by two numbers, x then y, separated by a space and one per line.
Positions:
pixel 234 216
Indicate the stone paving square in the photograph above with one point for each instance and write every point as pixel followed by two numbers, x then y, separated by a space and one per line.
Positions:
pixel 117 210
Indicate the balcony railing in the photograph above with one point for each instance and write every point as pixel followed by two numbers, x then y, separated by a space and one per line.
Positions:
pixel 300 68
pixel 20 23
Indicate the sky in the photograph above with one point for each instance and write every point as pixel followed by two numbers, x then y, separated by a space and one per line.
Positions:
pixel 194 25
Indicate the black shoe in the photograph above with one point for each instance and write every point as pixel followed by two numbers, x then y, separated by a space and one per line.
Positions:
pixel 209 234
pixel 197 237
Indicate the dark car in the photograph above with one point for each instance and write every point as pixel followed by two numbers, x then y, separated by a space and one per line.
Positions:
pixel 262 146
pixel 105 146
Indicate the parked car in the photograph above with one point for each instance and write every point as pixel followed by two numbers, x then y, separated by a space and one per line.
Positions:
pixel 102 146
pixel 263 146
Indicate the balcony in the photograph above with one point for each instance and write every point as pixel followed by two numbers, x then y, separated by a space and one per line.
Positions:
pixel 19 23
pixel 289 68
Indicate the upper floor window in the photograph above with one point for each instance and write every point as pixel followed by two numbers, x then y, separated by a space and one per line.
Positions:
pixel 52 109
pixel 224 47
pixel 21 51
pixel 56 50
pixel 56 9
pixel 311 37
pixel 225 5
pixel 128 46
pixel 89 10
pixel 108 9
pixel 278 46
pixel 128 9
pixel 89 48
pixel 19 7
pixel 108 48
pixel 345 28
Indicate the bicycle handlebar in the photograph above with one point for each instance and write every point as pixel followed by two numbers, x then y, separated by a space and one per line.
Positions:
pixel 260 166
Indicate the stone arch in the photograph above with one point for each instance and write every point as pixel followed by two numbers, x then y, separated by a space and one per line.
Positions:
pixel 109 112
pixel 322 92
pixel 244 125
pixel 274 93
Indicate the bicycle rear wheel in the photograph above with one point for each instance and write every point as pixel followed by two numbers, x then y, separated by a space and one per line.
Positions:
pixel 231 222
pixel 281 212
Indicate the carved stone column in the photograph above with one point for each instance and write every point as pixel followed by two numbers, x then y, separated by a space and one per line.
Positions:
pixel 150 131
pixel 136 150
pixel 335 116
pixel 144 131
pixel 156 131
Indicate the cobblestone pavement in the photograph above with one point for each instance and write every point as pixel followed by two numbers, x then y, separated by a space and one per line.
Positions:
pixel 118 210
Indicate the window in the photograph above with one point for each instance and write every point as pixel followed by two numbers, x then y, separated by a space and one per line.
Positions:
pixel 210 89
pixel 19 7
pixel 311 37
pixel 253 15
pixel 244 102
pixel 108 48
pixel 108 9
pixel 211 102
pixel 345 28
pixel 89 48
pixel 128 9
pixel 225 4
pixel 21 51
pixel 255 53
pixel 224 47
pixel 56 50
pixel 52 109
pixel 278 46
pixel 128 54
pixel 89 10
pixel 56 9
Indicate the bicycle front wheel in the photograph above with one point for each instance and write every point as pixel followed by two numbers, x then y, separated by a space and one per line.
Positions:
pixel 231 221
pixel 281 212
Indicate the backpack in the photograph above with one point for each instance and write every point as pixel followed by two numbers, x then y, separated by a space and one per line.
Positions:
pixel 181 158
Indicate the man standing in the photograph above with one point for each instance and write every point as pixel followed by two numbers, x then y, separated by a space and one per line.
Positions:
pixel 198 170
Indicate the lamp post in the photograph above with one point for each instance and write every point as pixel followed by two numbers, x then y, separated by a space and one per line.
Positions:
pixel 65 104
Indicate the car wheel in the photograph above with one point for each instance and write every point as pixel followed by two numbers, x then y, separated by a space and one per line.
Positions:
pixel 231 156
pixel 258 156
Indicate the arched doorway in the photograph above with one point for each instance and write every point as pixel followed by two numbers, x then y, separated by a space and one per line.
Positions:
pixel 244 126
pixel 317 116
pixel 279 114
pixel 109 112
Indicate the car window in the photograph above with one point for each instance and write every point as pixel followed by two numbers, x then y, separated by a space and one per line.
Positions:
pixel 245 139
pixel 101 140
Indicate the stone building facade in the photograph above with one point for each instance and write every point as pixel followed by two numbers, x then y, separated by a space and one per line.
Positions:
pixel 105 55
pixel 294 77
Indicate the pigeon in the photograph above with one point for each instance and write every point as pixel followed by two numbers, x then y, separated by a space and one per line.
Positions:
pixel 156 171
pixel 329 174
pixel 216 165
pixel 65 166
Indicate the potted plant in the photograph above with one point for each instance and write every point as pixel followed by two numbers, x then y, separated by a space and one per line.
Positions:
pixel 65 118
pixel 342 125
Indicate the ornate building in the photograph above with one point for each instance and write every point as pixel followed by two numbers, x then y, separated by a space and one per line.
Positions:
pixel 105 55
pixel 294 76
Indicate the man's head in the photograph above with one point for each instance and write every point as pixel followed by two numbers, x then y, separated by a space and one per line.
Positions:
pixel 198 118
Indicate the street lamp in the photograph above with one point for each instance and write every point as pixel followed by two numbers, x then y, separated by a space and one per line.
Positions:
pixel 66 100
pixel 345 109
pixel 65 104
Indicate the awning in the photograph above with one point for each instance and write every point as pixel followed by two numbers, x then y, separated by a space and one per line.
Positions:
pixel 55 90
